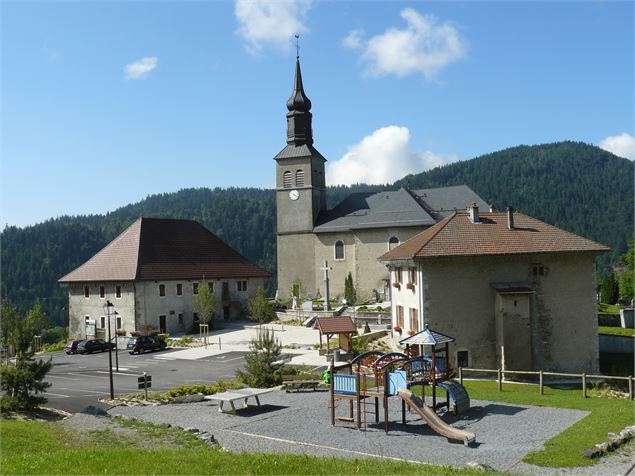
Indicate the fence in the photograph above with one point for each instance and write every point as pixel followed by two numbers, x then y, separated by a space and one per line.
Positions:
pixel 541 374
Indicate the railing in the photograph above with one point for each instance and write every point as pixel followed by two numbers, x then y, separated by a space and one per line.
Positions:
pixel 541 374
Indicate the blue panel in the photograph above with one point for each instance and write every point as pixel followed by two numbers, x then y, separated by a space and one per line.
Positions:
pixel 396 380
pixel 345 384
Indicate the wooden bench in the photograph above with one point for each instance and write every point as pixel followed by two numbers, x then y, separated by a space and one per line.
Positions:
pixel 242 394
pixel 301 381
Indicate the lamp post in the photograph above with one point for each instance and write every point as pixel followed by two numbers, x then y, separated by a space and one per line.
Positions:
pixel 116 344
pixel 108 305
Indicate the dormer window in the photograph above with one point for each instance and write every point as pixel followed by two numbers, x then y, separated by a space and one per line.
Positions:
pixel 287 180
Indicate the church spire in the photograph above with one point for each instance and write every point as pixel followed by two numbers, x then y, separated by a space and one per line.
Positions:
pixel 299 117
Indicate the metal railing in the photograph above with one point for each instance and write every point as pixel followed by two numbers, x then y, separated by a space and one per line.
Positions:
pixel 500 376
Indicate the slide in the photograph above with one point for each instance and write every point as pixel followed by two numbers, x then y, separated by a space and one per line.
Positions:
pixel 433 420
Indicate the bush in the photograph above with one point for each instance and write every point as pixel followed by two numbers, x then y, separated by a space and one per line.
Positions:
pixel 53 335
pixel 262 365
pixel 56 347
pixel 218 387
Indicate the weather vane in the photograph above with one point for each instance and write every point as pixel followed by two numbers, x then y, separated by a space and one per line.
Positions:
pixel 297 45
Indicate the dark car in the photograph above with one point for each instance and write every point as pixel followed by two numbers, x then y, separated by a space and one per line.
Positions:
pixel 71 346
pixel 94 345
pixel 143 343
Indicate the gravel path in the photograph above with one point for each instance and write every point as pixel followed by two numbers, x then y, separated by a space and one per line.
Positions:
pixel 300 423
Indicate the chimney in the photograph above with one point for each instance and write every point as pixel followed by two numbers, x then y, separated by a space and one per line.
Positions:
pixel 474 213
pixel 491 208
pixel 510 217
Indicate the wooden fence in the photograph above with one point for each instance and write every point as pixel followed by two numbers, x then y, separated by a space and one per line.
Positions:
pixel 500 376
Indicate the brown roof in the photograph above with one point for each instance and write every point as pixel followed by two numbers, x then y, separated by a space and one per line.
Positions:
pixel 335 325
pixel 458 236
pixel 157 248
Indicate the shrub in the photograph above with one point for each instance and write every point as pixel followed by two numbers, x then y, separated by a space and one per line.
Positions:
pixel 53 335
pixel 218 387
pixel 260 309
pixel 262 365
pixel 56 347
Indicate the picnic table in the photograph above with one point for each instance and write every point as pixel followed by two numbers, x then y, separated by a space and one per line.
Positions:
pixel 242 394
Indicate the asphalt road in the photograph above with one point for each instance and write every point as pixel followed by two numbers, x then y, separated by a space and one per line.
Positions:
pixel 79 380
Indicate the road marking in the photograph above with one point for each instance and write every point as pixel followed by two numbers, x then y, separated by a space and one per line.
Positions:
pixel 79 389
pixel 117 373
pixel 164 358
pixel 63 378
pixel 57 395
pixel 90 375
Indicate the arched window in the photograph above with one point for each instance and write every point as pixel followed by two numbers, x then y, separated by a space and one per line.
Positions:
pixel 287 180
pixel 299 178
pixel 393 242
pixel 339 250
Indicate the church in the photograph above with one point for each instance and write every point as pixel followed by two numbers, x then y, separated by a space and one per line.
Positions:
pixel 353 234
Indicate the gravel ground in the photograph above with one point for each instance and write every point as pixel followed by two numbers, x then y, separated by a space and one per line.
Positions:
pixel 300 423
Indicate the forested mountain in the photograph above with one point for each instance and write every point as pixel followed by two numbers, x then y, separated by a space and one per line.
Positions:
pixel 576 186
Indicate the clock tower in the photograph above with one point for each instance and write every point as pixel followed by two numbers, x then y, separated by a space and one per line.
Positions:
pixel 300 192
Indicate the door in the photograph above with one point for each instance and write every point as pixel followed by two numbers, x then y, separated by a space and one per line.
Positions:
pixel 225 291
pixel 162 324
pixel 226 313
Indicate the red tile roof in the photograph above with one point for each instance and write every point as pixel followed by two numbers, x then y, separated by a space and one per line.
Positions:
pixel 157 248
pixel 335 325
pixel 458 236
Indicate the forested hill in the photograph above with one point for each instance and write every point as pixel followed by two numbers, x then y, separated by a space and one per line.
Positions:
pixel 578 187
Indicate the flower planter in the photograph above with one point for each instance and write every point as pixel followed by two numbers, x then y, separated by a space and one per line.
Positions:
pixel 410 286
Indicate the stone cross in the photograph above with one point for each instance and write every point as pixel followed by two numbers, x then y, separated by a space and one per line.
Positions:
pixel 326 270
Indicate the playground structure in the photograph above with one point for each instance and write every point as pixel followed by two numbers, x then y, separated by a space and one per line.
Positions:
pixel 374 375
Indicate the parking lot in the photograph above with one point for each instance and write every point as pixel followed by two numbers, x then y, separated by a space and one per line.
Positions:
pixel 79 380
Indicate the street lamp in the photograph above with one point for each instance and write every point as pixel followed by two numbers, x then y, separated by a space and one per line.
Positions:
pixel 108 305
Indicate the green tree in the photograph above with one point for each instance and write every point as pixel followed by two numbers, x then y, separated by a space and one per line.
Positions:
pixel 610 290
pixel 205 304
pixel 260 309
pixel 22 381
pixel 626 278
pixel 263 367
pixel 350 294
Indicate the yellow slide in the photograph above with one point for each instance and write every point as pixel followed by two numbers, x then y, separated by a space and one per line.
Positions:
pixel 433 420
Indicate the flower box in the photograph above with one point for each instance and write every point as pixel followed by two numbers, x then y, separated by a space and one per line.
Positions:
pixel 397 329
pixel 410 286
pixel 411 332
pixel 396 285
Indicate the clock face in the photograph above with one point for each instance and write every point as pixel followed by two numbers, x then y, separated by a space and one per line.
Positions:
pixel 294 194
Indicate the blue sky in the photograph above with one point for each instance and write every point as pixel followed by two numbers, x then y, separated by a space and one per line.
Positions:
pixel 106 103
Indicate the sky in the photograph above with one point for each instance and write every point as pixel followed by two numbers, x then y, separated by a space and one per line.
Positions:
pixel 105 103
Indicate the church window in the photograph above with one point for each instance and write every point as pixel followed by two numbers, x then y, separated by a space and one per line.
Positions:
pixel 299 178
pixel 393 242
pixel 287 180
pixel 339 250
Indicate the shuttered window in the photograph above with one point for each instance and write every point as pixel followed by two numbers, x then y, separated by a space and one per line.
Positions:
pixel 287 180
pixel 299 178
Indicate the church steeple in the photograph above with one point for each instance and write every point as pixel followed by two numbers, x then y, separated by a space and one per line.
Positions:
pixel 299 118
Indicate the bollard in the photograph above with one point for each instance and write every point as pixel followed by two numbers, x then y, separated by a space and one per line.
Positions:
pixel 145 385
pixel 583 385
pixel 500 380
pixel 630 387
pixel 218 342
pixel 542 384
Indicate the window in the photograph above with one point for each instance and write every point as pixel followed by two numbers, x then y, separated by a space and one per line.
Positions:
pixel 86 319
pixel 118 292
pixel 210 286
pixel 102 322
pixel 414 321
pixel 399 310
pixel 299 178
pixel 241 285
pixel 180 318
pixel 119 323
pixel 86 292
pixel 339 250
pixel 179 289
pixel 286 179
pixel 538 270
pixel 398 275
pixel 102 292
pixel 393 242
pixel 194 288
pixel 162 290
pixel 462 358
pixel 412 275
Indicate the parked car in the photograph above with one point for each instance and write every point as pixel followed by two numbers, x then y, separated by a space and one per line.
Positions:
pixel 143 343
pixel 71 346
pixel 94 345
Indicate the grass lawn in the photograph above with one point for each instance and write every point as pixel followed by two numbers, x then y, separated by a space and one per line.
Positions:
pixel 607 415
pixel 616 331
pixel 36 447
pixel 609 308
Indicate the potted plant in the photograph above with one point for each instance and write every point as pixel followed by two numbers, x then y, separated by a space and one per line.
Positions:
pixel 395 285
pixel 411 332
pixel 410 286
pixel 398 329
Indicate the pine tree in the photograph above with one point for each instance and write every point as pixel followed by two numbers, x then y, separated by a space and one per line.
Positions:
pixel 262 363
pixel 350 294
pixel 610 290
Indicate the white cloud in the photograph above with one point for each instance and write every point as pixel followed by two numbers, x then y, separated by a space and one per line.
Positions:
pixel 383 157
pixel 142 68
pixel 270 22
pixel 424 45
pixel 353 40
pixel 622 145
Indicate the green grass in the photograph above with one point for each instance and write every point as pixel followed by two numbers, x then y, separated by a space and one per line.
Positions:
pixel 563 450
pixel 608 308
pixel 35 447
pixel 616 331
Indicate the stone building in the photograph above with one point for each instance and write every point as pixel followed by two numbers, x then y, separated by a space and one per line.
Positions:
pixel 151 273
pixel 515 292
pixel 351 235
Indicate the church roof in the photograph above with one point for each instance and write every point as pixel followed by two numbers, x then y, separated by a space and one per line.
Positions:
pixel 458 236
pixel 157 248
pixel 299 151
pixel 398 208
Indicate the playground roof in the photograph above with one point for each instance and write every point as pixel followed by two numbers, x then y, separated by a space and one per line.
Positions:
pixel 335 325
pixel 427 337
